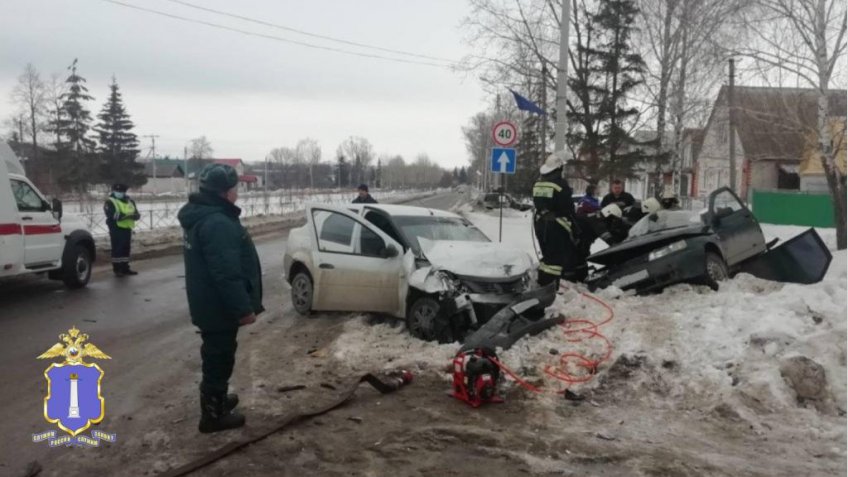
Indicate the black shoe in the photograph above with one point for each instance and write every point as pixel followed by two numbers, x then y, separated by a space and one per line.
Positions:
pixel 215 416
pixel 130 272
pixel 120 273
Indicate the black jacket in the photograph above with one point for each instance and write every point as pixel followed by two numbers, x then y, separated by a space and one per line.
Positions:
pixel 552 196
pixel 222 270
pixel 364 200
pixel 623 200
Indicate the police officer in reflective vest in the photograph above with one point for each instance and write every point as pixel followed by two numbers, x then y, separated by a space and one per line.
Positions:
pixel 121 214
pixel 555 226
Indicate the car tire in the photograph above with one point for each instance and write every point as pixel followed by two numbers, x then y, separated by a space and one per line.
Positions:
pixel 715 270
pixel 425 321
pixel 76 267
pixel 302 292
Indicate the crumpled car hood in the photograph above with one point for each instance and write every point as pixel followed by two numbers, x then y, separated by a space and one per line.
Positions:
pixel 636 246
pixel 476 259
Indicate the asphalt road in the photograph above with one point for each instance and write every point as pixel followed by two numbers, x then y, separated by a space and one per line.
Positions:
pixel 141 322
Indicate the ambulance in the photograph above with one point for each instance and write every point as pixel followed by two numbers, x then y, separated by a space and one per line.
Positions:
pixel 34 235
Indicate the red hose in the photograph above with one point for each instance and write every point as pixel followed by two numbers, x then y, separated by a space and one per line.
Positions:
pixel 570 359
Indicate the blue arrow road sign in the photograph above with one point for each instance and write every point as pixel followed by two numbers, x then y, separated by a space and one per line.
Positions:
pixel 503 160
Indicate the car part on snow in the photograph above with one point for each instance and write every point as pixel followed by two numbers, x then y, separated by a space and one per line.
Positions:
pixel 802 259
pixel 475 377
pixel 385 383
pixel 715 270
pixel 512 322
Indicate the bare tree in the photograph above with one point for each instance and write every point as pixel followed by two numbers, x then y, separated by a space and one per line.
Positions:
pixel 806 40
pixel 359 153
pixel 309 151
pixel 200 148
pixel 30 95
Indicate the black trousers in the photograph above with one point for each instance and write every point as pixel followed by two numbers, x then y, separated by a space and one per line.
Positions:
pixel 218 353
pixel 561 258
pixel 121 240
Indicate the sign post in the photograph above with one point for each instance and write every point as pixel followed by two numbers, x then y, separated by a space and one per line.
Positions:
pixel 504 134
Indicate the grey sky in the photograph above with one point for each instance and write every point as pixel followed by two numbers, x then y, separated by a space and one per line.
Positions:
pixel 246 94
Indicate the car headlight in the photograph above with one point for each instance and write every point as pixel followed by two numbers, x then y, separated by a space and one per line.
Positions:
pixel 667 250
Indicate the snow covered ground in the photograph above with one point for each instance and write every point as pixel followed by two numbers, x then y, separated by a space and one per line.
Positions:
pixel 734 353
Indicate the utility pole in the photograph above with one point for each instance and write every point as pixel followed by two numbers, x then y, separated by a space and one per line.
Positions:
pixel 731 126
pixel 185 171
pixel 153 159
pixel 562 78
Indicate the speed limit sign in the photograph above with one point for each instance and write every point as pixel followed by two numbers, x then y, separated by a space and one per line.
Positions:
pixel 504 134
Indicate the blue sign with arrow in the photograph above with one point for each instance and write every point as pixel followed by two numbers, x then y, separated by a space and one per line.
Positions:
pixel 503 160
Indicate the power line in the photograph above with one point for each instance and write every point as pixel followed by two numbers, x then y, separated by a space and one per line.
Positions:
pixel 313 35
pixel 276 38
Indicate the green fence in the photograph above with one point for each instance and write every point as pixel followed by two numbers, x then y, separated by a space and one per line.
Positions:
pixel 792 208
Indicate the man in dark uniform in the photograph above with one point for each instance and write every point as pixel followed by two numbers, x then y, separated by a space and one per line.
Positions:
pixel 364 197
pixel 224 287
pixel 121 214
pixel 618 196
pixel 555 225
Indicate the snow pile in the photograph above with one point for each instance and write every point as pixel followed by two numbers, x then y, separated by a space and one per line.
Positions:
pixel 687 348
pixel 368 343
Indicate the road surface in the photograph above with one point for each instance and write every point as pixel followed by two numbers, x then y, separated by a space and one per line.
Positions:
pixel 141 322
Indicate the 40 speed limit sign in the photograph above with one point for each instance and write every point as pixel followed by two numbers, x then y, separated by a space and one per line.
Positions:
pixel 504 134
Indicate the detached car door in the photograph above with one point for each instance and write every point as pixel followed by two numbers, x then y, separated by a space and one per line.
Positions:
pixel 43 241
pixel 359 267
pixel 738 231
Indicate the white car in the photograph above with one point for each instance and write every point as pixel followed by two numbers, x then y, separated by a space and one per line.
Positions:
pixel 431 267
pixel 34 236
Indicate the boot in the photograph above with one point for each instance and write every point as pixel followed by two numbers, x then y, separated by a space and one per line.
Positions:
pixel 127 271
pixel 215 416
pixel 231 402
pixel 119 271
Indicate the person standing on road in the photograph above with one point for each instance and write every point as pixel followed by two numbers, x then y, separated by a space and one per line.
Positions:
pixel 555 226
pixel 364 197
pixel 617 196
pixel 121 214
pixel 224 287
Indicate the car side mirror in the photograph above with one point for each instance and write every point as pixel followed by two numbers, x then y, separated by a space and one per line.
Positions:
pixel 389 251
pixel 57 209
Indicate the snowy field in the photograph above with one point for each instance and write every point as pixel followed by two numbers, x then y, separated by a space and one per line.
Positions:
pixel 159 214
pixel 729 353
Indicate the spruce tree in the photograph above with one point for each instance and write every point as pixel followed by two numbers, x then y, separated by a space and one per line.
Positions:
pixel 623 69
pixel 118 146
pixel 463 176
pixel 76 149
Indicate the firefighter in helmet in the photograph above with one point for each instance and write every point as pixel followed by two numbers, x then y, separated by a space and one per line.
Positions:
pixel 555 225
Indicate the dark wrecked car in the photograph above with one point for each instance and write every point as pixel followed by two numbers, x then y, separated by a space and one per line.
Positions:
pixel 678 246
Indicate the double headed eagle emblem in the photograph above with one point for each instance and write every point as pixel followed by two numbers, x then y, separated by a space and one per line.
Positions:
pixel 74 348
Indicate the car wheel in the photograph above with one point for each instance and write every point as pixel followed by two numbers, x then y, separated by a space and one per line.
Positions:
pixel 715 270
pixel 76 267
pixel 302 292
pixel 425 321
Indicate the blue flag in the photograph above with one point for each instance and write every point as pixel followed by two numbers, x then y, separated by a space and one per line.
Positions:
pixel 525 104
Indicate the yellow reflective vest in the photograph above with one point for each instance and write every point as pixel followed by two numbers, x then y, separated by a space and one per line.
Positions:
pixel 124 209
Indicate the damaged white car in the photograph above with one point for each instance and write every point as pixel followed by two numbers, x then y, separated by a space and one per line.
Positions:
pixel 431 267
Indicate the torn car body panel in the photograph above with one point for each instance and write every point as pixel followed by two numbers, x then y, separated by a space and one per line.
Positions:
pixel 802 259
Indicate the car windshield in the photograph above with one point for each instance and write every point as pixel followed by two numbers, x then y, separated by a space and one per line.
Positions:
pixel 438 228
pixel 663 220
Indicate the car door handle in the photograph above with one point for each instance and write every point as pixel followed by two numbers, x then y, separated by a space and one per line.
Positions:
pixel 26 217
pixel 326 266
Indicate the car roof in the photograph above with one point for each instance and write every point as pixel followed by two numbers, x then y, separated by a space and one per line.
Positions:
pixel 406 210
